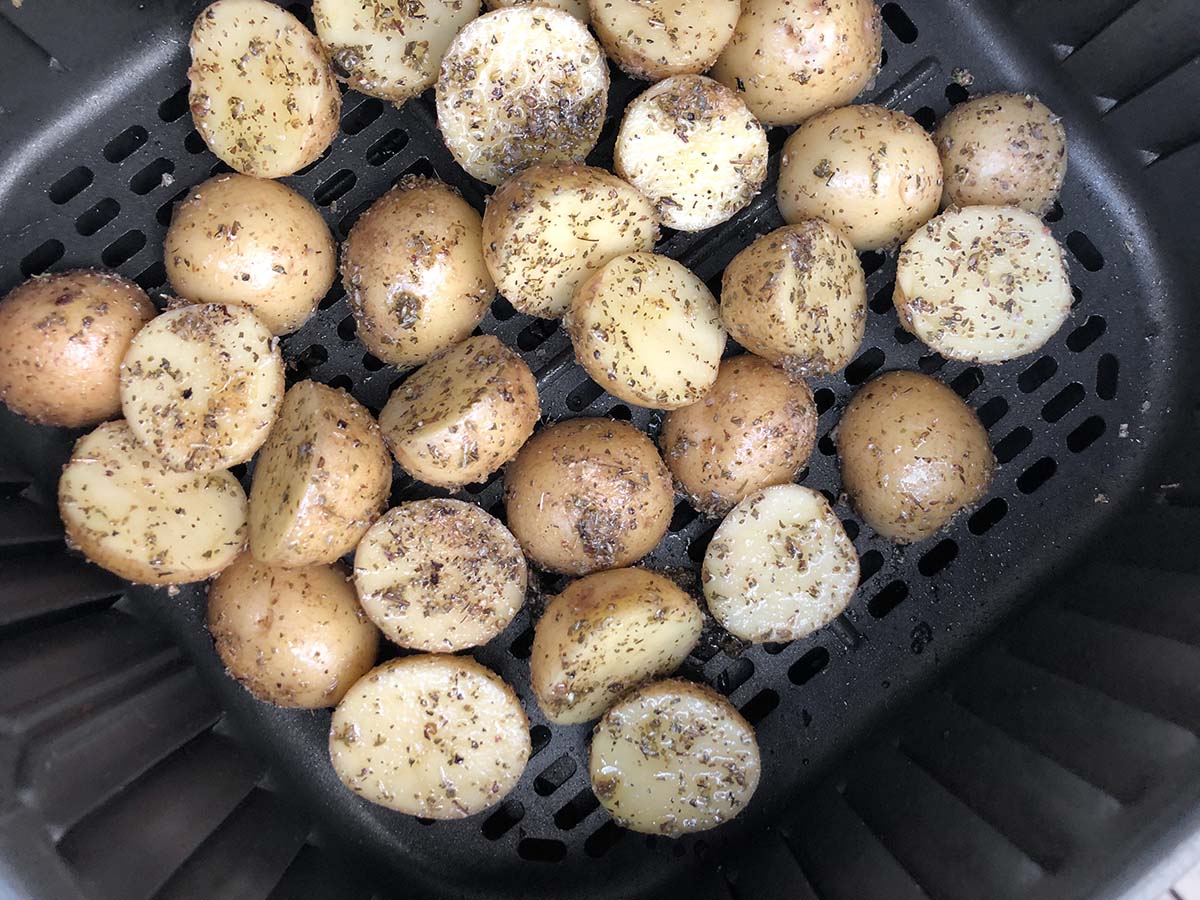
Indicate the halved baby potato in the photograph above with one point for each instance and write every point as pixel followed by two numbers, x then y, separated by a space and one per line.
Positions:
pixel 653 39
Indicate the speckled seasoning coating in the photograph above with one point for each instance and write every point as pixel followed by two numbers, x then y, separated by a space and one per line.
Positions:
pixel 654 39
pixel 577 8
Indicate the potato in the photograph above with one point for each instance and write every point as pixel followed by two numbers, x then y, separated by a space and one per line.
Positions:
pixel 521 86
pixel 983 284
pixel 577 8
pixel 605 635
pixel 797 297
pixel 322 478
pixel 869 171
pixel 414 272
pixel 548 228
pixel 389 48
pixel 132 515
pixel 913 454
pixel 62 338
pixel 691 146
pixel 262 95
pixel 1002 150
pixel 201 386
pixel 588 494
pixel 673 758
pixel 648 331
pixel 791 59
pixel 440 575
pixel 779 566
pixel 293 637
pixel 755 428
pixel 653 39
pixel 434 736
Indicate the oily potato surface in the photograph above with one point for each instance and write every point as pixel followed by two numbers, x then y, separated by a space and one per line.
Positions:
pixel 577 8
pixel 653 39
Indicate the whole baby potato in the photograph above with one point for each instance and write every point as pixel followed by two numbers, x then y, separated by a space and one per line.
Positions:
pixel 653 39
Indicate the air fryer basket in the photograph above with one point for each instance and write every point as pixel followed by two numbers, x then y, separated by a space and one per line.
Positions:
pixel 1060 757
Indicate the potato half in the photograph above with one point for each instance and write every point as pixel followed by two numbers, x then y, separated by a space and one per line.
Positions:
pixel 434 736
pixel 262 94
pixel 673 758
pixel 983 284
pixel 653 39
pixel 577 8
pixel 132 515
pixel 605 635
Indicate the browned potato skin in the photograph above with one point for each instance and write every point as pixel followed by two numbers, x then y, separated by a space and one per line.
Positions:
pixel 913 454
pixel 63 338
pixel 293 637
pixel 755 428
pixel 588 494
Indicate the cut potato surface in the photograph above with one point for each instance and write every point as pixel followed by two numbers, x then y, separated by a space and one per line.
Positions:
pixel 201 386
pixel 434 736
pixel 983 284
pixel 653 39
pixel 577 8
pixel 262 94
pixel 674 758
pixel 132 515
pixel 440 575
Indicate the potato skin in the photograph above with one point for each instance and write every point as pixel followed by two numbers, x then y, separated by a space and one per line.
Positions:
pixel 654 39
pixel 577 8
pixel 64 337
pixel 588 494
pixel 913 454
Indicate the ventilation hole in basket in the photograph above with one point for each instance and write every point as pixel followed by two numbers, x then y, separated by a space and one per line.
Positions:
pixel 193 143
pixel 499 823
pixel 1085 251
pixel 153 276
pixel 734 676
pixel 851 529
pixel 683 517
pixel 899 23
pixel 584 395
pixel 869 565
pixel 881 302
pixel 1037 374
pixel 883 58
pixel 502 310
pixel 1088 432
pixel 125 144
pixel 872 261
pixel 166 212
pixel 1037 475
pixel 522 645
pixel 372 363
pixel 926 118
pixel 993 411
pixel 387 147
pixel 931 362
pixel 577 809
pixel 824 398
pixel 699 543
pixel 603 839
pixel 807 667
pixel 968 381
pixel 174 106
pixel 554 776
pixel 123 249
pixel 760 706
pixel 358 118
pixel 1063 402
pixel 70 185
pixel 303 12
pixel 92 220
pixel 956 94
pixel 421 820
pixel 887 599
pixel 1013 444
pixel 421 168
pixel 621 413
pixel 347 328
pixel 336 293
pixel 151 176
pixel 334 187
pixel 1055 214
pixel 535 334
pixel 988 515
pixel 826 446
pixel 480 486
pixel 539 738
pixel 938 557
pixel 1086 334
pixel 774 648
pixel 1108 371
pixel 342 381
pixel 309 360
pixel 862 368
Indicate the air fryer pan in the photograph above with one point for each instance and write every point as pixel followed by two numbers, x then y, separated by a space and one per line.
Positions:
pixel 1073 427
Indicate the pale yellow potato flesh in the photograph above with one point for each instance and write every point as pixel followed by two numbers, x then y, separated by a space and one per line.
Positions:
pixel 653 39
pixel 577 8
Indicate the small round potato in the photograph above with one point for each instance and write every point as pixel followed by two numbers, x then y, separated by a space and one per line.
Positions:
pixel 434 736
pixel 293 637
pixel 605 635
pixel 440 575
pixel 262 95
pixel 1002 150
pixel 548 228
pixel 62 339
pixel 521 86
pixel 254 242
pixel 779 566
pixel 871 172
pixel 791 59
pixel 691 146
pixel 648 331
pixel 588 494
pixel 577 8
pixel 913 454
pixel 653 39
pixel 755 428
pixel 673 758
pixel 201 386
pixel 983 284
pixel 797 297
pixel 463 415
pixel 414 272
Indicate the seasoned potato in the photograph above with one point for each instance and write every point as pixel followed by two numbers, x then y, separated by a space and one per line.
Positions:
pixel 434 736
pixel 440 575
pixel 1002 150
pixel 673 758
pixel 548 228
pixel 755 428
pixel 577 8
pixel 521 86
pixel 691 146
pixel 322 478
pixel 414 272
pixel 588 494
pixel 254 242
pixel 797 297
pixel 132 515
pixel 869 171
pixel 791 59
pixel 201 385
pixel 653 39
pixel 984 284
pixel 648 331
pixel 779 566
pixel 913 454
pixel 62 339
pixel 262 94
pixel 605 635
pixel 293 637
